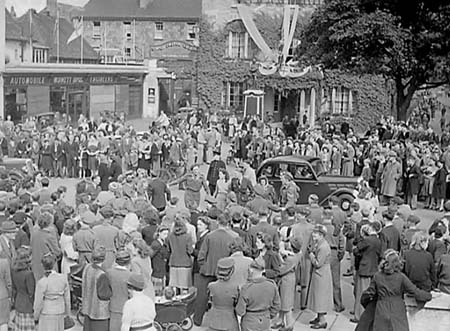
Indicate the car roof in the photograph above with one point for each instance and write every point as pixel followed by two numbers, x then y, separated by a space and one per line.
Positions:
pixel 291 158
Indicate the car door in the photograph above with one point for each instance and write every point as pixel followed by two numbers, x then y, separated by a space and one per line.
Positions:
pixel 306 179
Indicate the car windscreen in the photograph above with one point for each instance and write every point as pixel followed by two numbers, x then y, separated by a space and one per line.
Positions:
pixel 318 167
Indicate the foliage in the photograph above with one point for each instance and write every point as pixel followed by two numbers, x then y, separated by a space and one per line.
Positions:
pixel 407 41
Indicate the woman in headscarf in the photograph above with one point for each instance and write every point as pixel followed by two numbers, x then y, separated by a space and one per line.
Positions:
pixel 223 295
pixel 180 261
pixel 387 289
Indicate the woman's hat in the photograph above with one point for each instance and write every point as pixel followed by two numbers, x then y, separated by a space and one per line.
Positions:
pixel 225 267
pixel 136 281
pixel 123 257
pixel 320 229
pixel 8 227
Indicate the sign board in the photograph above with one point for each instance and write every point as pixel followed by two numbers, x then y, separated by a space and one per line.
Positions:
pixel 173 49
pixel 69 80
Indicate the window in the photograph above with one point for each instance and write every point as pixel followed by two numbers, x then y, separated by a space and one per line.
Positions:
pixel 237 45
pixel 127 30
pixel 127 52
pixel 302 171
pixel 233 95
pixel 40 55
pixel 191 31
pixel 96 33
pixel 159 28
pixel 16 54
pixel 276 102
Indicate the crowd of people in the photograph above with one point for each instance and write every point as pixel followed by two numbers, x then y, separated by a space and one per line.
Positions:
pixel 247 253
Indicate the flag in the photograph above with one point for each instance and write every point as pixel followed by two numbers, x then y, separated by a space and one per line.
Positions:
pixel 78 31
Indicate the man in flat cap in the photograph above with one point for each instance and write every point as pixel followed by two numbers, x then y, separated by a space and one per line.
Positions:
pixel 105 233
pixel 259 301
pixel 118 276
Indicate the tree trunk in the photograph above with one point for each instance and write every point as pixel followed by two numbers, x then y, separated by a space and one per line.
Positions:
pixel 404 97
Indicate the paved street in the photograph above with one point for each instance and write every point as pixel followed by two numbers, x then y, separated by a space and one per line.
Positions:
pixel 336 322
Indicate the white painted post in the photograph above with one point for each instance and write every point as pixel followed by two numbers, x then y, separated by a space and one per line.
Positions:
pixel 2 55
pixel 312 111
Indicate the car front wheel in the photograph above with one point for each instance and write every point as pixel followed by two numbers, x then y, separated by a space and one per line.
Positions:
pixel 345 201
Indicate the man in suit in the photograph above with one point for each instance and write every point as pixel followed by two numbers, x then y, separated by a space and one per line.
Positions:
pixel 389 235
pixel 71 150
pixel 158 192
pixel 216 245
pixel 45 195
pixel 213 171
pixel 58 158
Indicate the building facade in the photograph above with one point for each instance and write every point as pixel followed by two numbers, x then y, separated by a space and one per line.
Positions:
pixel 227 47
pixel 163 31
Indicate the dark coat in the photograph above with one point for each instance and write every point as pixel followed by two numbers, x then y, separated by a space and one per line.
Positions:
pixel 413 179
pixel 390 311
pixel 115 170
pixel 159 193
pixel 198 245
pixel 215 246
pixel 180 248
pixel 367 256
pixel 440 184
pixel 160 255
pixel 24 285
pixel 420 269
pixel 390 238
pixel 213 171
pixel 105 174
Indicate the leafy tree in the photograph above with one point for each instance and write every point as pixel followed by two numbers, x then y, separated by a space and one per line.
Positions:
pixel 407 41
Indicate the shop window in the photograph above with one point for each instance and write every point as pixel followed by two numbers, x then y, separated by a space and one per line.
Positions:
pixel 159 28
pixel 40 55
pixel 191 30
pixel 233 95
pixel 96 33
pixel 238 45
pixel 15 103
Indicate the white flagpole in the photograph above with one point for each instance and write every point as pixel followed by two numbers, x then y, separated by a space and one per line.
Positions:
pixel 57 33
pixel 82 38
pixel 104 44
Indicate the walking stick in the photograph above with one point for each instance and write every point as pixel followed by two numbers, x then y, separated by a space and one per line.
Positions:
pixel 309 283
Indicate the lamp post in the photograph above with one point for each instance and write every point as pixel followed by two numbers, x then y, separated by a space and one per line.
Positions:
pixel 2 56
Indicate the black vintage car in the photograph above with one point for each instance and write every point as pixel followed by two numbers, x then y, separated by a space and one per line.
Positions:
pixel 310 176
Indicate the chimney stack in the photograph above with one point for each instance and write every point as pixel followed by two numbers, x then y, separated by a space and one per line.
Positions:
pixel 52 7
pixel 144 3
pixel 12 11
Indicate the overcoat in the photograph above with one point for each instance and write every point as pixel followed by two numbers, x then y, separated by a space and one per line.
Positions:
pixel 391 174
pixel 390 311
pixel 223 296
pixel 43 241
pixel 320 298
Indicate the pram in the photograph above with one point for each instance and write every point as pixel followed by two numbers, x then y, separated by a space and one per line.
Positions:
pixel 75 281
pixel 175 314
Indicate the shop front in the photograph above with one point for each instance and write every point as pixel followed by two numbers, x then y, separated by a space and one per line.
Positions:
pixel 73 92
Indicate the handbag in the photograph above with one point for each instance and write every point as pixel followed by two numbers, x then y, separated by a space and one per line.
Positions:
pixel 68 323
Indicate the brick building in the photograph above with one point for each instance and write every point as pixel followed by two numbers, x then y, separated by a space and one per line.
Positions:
pixel 165 31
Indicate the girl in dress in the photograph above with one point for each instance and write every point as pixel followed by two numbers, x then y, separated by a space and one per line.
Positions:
pixel 70 257
pixel 222 188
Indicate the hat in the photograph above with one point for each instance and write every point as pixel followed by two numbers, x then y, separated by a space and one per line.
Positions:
pixel 136 281
pixel 296 243
pixel 255 265
pixel 98 254
pixel 210 199
pixel 107 212
pixel 8 227
pixel 388 215
pixel 320 229
pixel 232 196
pixel 365 212
pixel 413 219
pixel 447 206
pixel 313 197
pixel 123 257
pixel 113 186
pixel 45 181
pixel 225 267
pixel 392 154
pixel 398 200
pixel 214 213
pixel 236 217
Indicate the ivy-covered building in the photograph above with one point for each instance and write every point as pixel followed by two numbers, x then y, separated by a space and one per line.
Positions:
pixel 228 59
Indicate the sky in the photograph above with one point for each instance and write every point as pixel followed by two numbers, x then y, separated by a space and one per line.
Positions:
pixel 21 6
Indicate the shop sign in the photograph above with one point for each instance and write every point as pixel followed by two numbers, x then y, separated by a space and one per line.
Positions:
pixel 172 44
pixel 71 80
